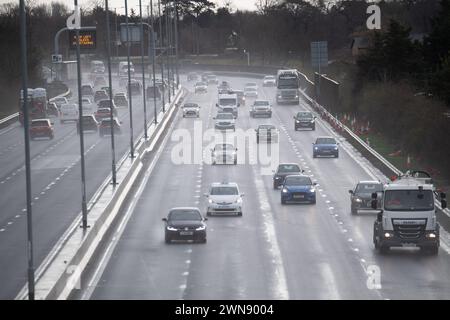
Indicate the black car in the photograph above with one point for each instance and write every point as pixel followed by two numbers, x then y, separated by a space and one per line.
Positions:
pixel 361 196
pixel 283 170
pixel 304 119
pixel 185 223
pixel 105 127
pixel 106 104
pixel 89 124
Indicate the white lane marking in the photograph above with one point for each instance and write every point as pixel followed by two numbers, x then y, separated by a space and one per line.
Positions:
pixel 327 274
pixel 281 289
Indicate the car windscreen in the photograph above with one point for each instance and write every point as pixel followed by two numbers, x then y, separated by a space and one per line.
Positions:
pixel 39 123
pixel 408 200
pixel 304 115
pixel 325 141
pixel 297 181
pixel 261 103
pixel 250 84
pixel 190 105
pixel 224 116
pixel 224 147
pixel 288 168
pixel 224 191
pixel 249 89
pixel 266 127
pixel 199 84
pixel 269 78
pixel 186 215
pixel 368 188
pixel 227 101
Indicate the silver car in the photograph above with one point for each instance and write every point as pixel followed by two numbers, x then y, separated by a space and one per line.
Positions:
pixel 224 198
pixel 191 110
pixel 261 108
pixel 224 121
pixel 224 153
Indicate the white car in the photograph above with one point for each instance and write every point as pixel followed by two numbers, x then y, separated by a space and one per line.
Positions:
pixel 251 92
pixel 261 108
pixel 191 110
pixel 224 121
pixel 59 101
pixel 224 153
pixel 224 198
pixel 68 112
pixel 269 81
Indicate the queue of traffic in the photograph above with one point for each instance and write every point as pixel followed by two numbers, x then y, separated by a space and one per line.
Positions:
pixel 405 207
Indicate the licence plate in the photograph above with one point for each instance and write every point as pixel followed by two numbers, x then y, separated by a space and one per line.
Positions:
pixel 224 207
pixel 409 245
pixel 186 233
pixel 299 196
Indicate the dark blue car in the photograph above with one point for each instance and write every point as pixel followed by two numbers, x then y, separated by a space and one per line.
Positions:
pixel 325 146
pixel 298 189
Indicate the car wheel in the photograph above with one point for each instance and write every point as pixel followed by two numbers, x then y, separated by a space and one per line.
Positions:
pixel 168 240
pixel 383 249
pixel 314 155
pixel 354 211
pixel 295 128
pixel 183 116
pixel 313 128
pixel 313 202
pixel 257 140
pixel 239 214
pixel 208 214
pixel 52 137
pixel 275 186
pixel 283 202
pixel 203 240
pixel 336 155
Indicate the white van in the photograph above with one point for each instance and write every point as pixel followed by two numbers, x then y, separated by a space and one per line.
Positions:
pixel 69 112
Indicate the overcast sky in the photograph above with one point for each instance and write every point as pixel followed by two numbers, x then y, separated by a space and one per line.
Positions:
pixel 236 4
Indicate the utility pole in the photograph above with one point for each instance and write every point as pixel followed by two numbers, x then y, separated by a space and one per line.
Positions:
pixel 24 67
pixel 176 42
pixel 153 47
pixel 167 49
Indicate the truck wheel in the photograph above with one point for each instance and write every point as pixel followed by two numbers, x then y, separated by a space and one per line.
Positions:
pixel 383 249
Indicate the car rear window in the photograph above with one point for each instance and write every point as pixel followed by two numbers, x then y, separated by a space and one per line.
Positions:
pixel 40 123
pixel 261 103
pixel 369 188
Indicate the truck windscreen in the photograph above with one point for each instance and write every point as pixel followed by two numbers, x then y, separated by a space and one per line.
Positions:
pixel 287 83
pixel 408 200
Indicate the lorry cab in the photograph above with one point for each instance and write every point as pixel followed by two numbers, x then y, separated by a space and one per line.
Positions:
pixel 408 216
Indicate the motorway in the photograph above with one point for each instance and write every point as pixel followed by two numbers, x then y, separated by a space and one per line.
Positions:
pixel 272 252
pixel 56 185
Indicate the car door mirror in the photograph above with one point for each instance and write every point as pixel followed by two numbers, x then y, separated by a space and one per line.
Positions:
pixel 205 219
pixel 214 118
pixel 206 195
pixel 164 219
pixel 242 194
pixel 350 191
pixel 217 105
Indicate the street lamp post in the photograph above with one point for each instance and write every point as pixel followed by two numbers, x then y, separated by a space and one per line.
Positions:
pixel 143 71
pixel 80 126
pixel 113 149
pixel 153 47
pixel 161 55
pixel 248 56
pixel 129 81
pixel 176 43
pixel 167 49
pixel 24 67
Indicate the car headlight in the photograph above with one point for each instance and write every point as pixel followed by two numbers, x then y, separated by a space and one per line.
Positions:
pixel 277 178
pixel 312 189
pixel 335 148
pixel 210 201
pixel 239 200
pixel 296 121
pixel 285 190
pixel 358 200
pixel 171 228
pixel 431 235
pixel 316 148
pixel 200 228
pixel 388 235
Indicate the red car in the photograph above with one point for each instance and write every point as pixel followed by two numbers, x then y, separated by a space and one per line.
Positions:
pixel 41 128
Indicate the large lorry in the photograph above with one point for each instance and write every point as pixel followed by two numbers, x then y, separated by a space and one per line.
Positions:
pixel 37 104
pixel 288 86
pixel 408 215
